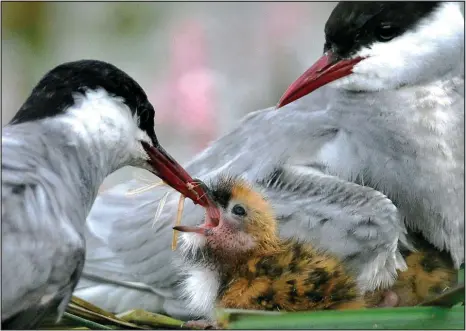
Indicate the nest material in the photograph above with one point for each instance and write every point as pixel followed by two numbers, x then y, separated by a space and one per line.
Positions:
pixel 82 315
pixel 443 312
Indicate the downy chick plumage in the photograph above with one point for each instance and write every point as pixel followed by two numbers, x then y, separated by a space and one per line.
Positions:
pixel 243 263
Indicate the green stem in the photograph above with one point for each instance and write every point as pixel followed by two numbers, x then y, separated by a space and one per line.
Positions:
pixel 87 323
pixel 383 318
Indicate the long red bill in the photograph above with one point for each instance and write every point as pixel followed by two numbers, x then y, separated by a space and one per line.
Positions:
pixel 173 174
pixel 324 71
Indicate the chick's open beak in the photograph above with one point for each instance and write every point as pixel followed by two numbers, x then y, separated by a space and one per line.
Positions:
pixel 212 218
pixel 173 174
pixel 327 69
pixel 205 229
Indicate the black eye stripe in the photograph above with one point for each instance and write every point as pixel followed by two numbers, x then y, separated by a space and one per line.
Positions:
pixel 354 25
pixel 386 32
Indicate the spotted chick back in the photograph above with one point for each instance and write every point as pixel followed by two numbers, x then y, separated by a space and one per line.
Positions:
pixel 264 272
pixel 246 265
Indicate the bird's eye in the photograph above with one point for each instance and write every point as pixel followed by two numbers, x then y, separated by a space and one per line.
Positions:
pixel 386 32
pixel 238 210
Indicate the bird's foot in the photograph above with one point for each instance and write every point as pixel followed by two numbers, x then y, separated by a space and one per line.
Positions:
pixel 201 325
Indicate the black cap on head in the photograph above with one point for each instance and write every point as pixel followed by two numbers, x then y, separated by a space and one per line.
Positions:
pixel 54 92
pixel 353 25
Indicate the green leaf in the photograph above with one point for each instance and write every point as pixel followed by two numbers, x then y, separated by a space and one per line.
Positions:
pixel 448 298
pixel 86 323
pixel 382 318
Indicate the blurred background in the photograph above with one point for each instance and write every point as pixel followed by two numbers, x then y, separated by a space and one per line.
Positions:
pixel 207 64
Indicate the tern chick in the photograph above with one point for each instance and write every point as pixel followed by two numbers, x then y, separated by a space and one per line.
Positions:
pixel 241 262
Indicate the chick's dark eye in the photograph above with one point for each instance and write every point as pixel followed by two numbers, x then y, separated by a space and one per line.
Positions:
pixel 238 210
pixel 386 32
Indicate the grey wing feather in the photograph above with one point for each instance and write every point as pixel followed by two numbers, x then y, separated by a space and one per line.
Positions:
pixel 121 242
pixel 42 253
pixel 37 271
pixel 356 223
pixel 128 258
pixel 33 315
pixel 124 239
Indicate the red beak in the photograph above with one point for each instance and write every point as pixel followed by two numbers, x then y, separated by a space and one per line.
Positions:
pixel 324 71
pixel 173 174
